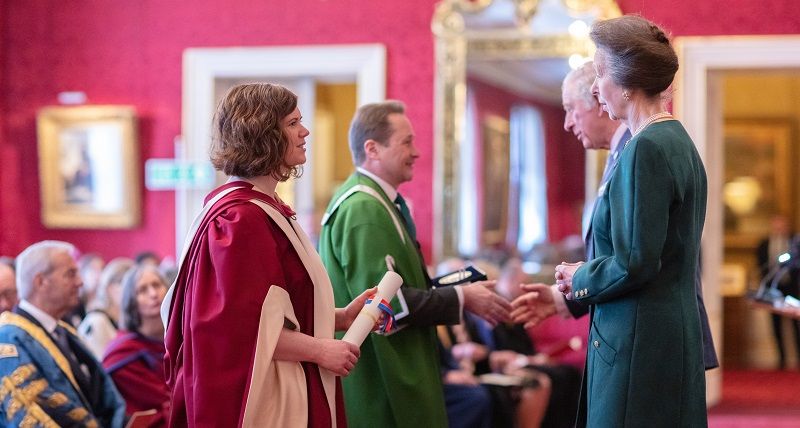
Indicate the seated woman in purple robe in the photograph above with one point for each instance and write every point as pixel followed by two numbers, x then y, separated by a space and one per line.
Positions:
pixel 135 358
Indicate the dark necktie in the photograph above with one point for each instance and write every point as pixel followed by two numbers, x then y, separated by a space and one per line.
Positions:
pixel 62 341
pixel 404 211
pixel 412 232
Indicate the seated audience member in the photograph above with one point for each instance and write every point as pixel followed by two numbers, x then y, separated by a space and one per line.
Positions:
pixel 49 378
pixel 100 324
pixel 519 406
pixel 135 358
pixel 513 348
pixel 522 404
pixel 468 403
pixel 8 288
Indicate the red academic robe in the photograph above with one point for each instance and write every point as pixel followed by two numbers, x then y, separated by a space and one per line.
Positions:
pixel 236 256
pixel 136 364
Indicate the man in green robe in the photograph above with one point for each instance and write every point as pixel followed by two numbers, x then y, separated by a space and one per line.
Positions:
pixel 367 230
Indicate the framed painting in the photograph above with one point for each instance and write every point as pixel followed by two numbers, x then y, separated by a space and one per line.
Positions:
pixel 757 182
pixel 89 167
pixel 496 163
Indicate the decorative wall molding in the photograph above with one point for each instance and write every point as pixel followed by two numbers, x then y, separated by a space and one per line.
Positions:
pixel 698 104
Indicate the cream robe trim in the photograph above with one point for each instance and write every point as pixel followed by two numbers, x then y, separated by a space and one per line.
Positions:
pixel 277 395
pixel 372 192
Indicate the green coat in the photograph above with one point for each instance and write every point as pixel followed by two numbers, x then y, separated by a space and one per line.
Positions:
pixel 397 380
pixel 645 355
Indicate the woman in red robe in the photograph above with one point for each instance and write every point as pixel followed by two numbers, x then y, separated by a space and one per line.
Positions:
pixel 250 319
pixel 135 358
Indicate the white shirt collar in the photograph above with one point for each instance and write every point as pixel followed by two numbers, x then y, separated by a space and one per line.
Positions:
pixel 390 191
pixel 617 136
pixel 49 323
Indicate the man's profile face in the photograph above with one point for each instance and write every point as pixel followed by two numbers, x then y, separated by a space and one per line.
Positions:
pixel 60 286
pixel 584 119
pixel 397 157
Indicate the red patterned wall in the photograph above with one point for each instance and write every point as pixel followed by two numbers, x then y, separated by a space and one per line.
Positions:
pixel 129 52
pixel 717 17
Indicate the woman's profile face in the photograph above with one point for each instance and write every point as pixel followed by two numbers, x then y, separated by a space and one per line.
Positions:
pixel 296 134
pixel 608 93
pixel 150 292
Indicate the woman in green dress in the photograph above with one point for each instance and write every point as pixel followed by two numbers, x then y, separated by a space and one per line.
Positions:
pixel 645 356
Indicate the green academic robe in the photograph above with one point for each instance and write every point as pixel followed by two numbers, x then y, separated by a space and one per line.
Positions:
pixel 645 353
pixel 397 380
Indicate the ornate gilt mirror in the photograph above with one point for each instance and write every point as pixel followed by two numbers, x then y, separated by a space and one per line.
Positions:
pixel 526 47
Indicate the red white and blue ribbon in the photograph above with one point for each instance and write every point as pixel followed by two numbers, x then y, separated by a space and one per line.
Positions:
pixel 388 318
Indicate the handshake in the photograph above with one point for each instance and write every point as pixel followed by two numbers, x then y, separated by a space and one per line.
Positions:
pixel 479 295
pixel 539 300
pixel 481 300
pixel 534 306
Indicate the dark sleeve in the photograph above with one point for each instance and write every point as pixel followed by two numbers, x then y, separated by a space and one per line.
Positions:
pixel 363 255
pixel 639 220
pixel 431 307
pixel 709 353
pixel 576 308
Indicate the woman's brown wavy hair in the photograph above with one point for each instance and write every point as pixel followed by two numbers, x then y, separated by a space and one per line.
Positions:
pixel 248 140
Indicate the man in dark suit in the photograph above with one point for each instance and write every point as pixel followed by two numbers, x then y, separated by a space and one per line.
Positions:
pixel 586 119
pixel 41 357
pixel 778 242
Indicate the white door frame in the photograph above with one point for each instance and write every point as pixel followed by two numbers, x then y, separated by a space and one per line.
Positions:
pixel 364 63
pixel 699 105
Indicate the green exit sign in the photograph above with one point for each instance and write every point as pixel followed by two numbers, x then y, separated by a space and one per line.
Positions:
pixel 170 174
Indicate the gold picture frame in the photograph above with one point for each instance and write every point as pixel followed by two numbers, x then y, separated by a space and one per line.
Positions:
pixel 89 167
pixel 757 184
pixel 495 141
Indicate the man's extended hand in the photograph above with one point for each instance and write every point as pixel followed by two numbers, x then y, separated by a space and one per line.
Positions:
pixel 535 306
pixel 481 300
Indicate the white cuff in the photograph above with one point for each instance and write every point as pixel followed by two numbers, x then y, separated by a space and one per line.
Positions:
pixel 460 294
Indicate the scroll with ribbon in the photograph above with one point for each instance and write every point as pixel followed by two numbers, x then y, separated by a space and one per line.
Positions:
pixel 371 312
